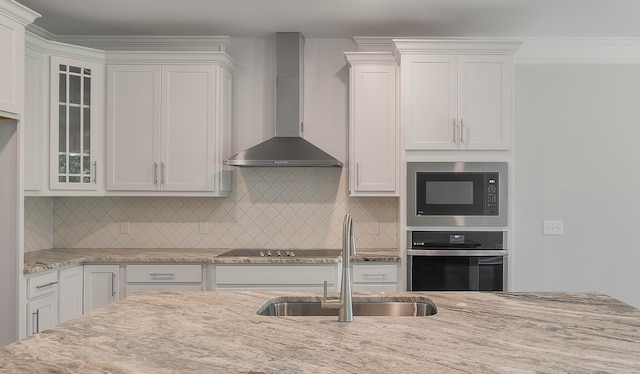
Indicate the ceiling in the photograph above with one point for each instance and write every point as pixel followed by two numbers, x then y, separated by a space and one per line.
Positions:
pixel 342 18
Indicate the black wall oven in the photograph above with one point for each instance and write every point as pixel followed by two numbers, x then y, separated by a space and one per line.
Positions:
pixel 457 193
pixel 457 261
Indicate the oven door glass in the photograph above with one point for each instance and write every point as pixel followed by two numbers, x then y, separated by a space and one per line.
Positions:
pixel 457 273
pixel 450 194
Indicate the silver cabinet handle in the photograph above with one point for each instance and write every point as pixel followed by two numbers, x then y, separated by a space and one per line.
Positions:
pixel 46 285
pixel 162 171
pixel 113 284
pixel 95 172
pixel 461 130
pixel 36 315
pixel 455 131
pixel 162 275
pixel 377 275
pixel 357 174
pixel 155 173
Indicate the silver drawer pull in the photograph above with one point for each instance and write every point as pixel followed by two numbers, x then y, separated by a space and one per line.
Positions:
pixel 162 274
pixel 46 285
pixel 378 275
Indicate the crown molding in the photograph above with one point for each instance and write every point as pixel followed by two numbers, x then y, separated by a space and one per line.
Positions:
pixel 170 57
pixel 18 12
pixel 530 50
pixel 41 44
pixel 138 43
pixel 370 58
pixel 374 43
pixel 150 43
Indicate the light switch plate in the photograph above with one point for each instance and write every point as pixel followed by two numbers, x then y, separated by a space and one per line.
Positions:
pixel 553 227
pixel 124 227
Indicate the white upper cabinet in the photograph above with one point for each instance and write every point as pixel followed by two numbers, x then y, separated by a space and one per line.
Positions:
pixel 373 151
pixel 75 123
pixel 456 95
pixel 13 19
pixel 168 127
pixel 63 119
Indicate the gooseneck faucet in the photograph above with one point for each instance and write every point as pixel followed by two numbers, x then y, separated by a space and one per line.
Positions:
pixel 345 303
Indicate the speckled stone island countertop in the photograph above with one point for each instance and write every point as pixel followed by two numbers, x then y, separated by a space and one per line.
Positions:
pixel 220 332
pixel 54 258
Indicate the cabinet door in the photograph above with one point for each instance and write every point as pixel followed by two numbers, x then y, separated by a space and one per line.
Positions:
pixel 42 313
pixel 429 101
pixel 70 289
pixel 188 128
pixel 133 127
pixel 101 285
pixel 35 121
pixel 484 102
pixel 76 94
pixel 11 66
pixel 373 107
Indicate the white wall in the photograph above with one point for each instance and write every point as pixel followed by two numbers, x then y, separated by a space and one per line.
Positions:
pixel 577 159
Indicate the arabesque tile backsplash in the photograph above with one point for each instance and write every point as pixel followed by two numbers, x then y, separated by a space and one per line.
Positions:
pixel 268 208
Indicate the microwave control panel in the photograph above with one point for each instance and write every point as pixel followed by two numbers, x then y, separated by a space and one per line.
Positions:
pixel 491 184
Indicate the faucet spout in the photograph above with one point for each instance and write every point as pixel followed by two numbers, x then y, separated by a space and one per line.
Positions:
pixel 348 249
pixel 345 304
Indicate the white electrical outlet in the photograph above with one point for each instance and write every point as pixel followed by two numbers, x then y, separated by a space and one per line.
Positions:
pixel 204 227
pixel 374 228
pixel 553 228
pixel 124 227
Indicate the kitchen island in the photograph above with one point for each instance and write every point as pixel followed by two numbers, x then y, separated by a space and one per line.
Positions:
pixel 219 331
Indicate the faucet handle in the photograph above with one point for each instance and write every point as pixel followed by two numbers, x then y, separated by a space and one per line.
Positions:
pixel 325 291
pixel 353 245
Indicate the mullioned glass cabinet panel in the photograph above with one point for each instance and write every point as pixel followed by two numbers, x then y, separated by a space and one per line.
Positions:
pixel 73 128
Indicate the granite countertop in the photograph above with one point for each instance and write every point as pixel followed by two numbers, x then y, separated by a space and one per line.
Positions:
pixel 219 331
pixel 42 260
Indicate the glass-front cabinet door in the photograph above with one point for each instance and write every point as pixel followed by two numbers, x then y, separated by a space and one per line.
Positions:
pixel 75 122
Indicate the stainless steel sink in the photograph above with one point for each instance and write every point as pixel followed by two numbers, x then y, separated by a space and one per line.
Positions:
pixel 362 306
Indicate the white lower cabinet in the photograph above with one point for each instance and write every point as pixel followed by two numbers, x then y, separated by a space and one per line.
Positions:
pixel 101 285
pixel 375 277
pixel 42 302
pixel 70 285
pixel 163 277
pixel 276 277
pixel 42 313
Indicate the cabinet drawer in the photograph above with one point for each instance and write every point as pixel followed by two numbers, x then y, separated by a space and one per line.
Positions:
pixel 42 285
pixel 273 275
pixel 375 273
pixel 164 273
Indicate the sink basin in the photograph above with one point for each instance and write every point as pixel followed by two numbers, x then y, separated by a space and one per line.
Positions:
pixel 400 306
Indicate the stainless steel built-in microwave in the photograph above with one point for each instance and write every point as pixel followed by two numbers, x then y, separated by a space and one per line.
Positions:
pixel 457 193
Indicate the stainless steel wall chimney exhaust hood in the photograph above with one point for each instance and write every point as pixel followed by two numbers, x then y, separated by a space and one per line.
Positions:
pixel 287 148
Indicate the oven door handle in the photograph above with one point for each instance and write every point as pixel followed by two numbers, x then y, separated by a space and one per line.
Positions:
pixel 456 252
